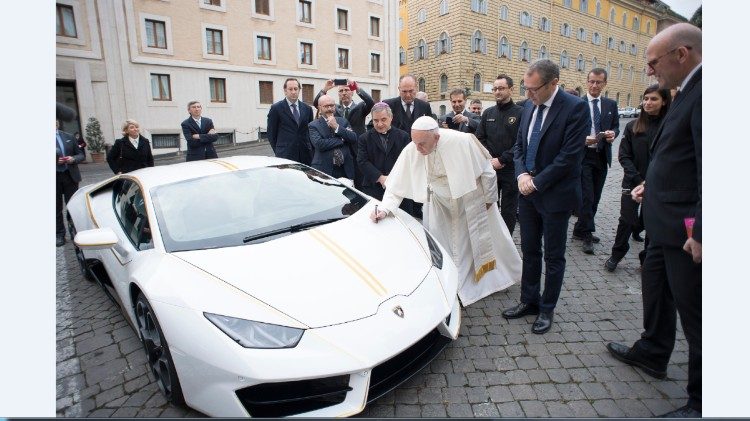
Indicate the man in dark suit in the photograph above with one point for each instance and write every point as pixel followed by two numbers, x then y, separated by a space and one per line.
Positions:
pixel 199 133
pixel 332 139
pixel 672 200
pixel 460 118
pixel 67 176
pixel 498 131
pixel 378 150
pixel 406 107
pixel 287 125
pixel 547 163
pixel 597 156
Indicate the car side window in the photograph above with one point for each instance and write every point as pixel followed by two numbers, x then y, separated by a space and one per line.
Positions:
pixel 130 208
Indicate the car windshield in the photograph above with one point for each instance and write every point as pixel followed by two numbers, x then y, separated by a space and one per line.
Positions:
pixel 249 206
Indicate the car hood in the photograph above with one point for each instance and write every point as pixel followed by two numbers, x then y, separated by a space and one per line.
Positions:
pixel 327 275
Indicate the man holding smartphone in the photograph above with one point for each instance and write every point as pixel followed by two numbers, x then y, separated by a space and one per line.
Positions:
pixel 460 118
pixel 605 126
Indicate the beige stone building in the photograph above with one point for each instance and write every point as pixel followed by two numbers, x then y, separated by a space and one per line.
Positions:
pixel 466 44
pixel 145 59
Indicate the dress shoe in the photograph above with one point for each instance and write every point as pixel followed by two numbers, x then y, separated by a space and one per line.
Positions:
pixel 611 264
pixel 60 241
pixel 520 310
pixel 637 237
pixel 542 323
pixel 622 353
pixel 588 246
pixel 684 412
pixel 594 239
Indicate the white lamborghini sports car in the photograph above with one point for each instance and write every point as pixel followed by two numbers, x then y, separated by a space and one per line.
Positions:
pixel 260 287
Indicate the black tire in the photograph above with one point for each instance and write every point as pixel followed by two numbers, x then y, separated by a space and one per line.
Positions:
pixel 82 266
pixel 157 351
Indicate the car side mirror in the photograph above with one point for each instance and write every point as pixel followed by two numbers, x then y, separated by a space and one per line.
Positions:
pixel 96 239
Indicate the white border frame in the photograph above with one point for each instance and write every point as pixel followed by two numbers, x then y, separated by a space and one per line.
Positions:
pixel 312 14
pixel 211 104
pixel 224 41
pixel 271 13
pixel 369 63
pixel 222 8
pixel 257 60
pixel 336 29
pixel 266 78
pixel 167 33
pixel 314 64
pixel 151 102
pixel 336 58
pixel 78 39
pixel 381 27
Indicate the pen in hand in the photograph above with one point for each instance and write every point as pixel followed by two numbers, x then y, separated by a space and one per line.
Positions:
pixel 376 214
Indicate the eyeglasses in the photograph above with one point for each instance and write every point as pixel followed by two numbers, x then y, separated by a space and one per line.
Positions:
pixel 501 88
pixel 534 90
pixel 652 64
pixel 596 82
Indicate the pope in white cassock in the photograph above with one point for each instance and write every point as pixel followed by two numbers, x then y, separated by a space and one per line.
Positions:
pixel 450 172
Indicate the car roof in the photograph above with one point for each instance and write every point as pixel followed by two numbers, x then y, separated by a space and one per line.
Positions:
pixel 167 174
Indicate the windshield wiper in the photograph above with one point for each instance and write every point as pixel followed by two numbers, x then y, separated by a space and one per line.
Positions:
pixel 291 228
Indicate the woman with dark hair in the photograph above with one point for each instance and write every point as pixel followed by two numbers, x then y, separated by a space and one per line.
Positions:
pixel 131 152
pixel 634 157
pixel 81 144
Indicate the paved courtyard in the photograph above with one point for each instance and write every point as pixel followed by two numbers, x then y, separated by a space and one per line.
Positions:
pixel 496 368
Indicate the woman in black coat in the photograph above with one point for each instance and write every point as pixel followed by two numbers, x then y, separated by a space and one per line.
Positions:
pixel 634 157
pixel 131 152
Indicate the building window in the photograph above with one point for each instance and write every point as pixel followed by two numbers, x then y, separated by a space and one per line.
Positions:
pixel 544 24
pixel 503 48
pixel 400 24
pixel 612 15
pixel 443 83
pixel 374 63
pixel 374 27
pixel 343 58
pixel 609 68
pixel 265 89
pixel 633 50
pixel 66 23
pixel 564 60
pixel 596 39
pixel 580 63
pixel 421 84
pixel 622 47
pixel 479 6
pixel 525 19
pixel 503 12
pixel 375 94
pixel 421 51
pixel 594 63
pixel 304 9
pixel 624 19
pixel 524 52
pixel 630 74
pixel 598 9
pixel 262 7
pixel 477 82
pixel 619 71
pixel 522 89
pixel 212 3
pixel 218 89
pixel 308 93
pixel 543 52
pixel 636 24
pixel 263 48
pixel 565 30
pixel 611 43
pixel 156 34
pixel 443 44
pixel 306 53
pixel 443 7
pixel 214 42
pixel 401 56
pixel 442 110
pixel 161 89
pixel 583 6
pixel 568 3
pixel 342 19
pixel 478 44
pixel 421 16
pixel 162 141
pixel 648 27
pixel 581 34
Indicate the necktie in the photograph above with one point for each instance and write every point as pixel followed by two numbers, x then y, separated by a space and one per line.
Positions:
pixel 536 134
pixel 346 113
pixel 295 113
pixel 408 111
pixel 61 146
pixel 597 116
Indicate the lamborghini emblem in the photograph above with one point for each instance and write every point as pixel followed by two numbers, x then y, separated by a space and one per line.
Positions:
pixel 398 311
pixel 511 120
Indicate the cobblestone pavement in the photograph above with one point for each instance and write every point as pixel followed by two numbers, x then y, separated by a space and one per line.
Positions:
pixel 496 368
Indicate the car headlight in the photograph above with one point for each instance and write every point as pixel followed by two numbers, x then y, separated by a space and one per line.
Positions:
pixel 251 334
pixel 435 254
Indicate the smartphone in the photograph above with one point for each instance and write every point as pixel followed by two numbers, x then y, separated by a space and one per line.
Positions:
pixel 601 135
pixel 626 192
pixel 339 82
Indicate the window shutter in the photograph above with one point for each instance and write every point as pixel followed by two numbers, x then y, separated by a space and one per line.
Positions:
pixel 484 46
pixel 450 44
pixel 437 47
pixel 416 53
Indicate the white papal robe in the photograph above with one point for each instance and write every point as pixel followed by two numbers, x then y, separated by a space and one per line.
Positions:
pixel 455 182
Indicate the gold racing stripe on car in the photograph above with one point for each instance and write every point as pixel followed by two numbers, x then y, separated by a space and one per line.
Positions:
pixel 88 208
pixel 348 260
pixel 227 165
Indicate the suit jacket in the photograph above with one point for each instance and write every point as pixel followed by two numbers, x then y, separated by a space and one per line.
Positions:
pixel 71 149
pixel 400 121
pixel 124 158
pixel 202 148
pixel 288 139
pixel 373 159
pixel 324 141
pixel 610 120
pixel 498 131
pixel 558 158
pixel 673 182
pixel 357 112
pixel 468 127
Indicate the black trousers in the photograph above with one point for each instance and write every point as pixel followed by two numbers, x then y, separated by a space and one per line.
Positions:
pixel 630 221
pixel 593 175
pixel 671 284
pixel 536 224
pixel 507 186
pixel 64 189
